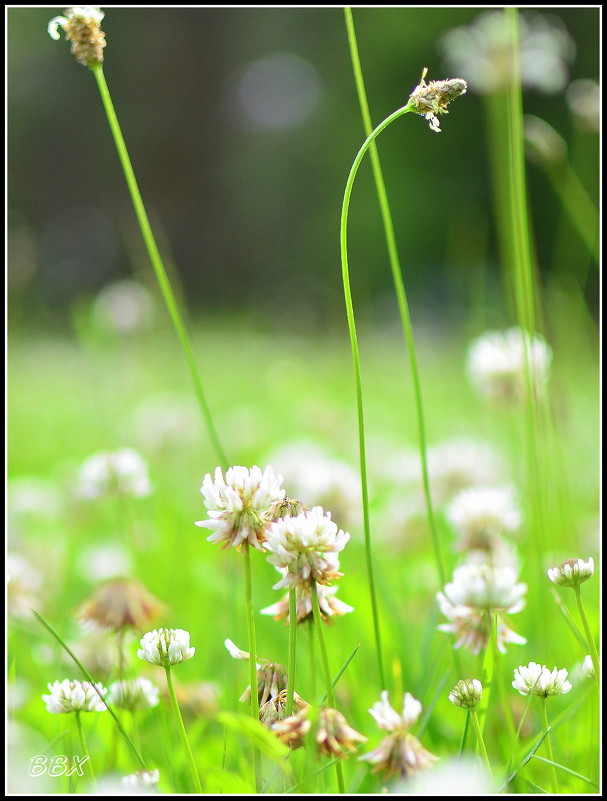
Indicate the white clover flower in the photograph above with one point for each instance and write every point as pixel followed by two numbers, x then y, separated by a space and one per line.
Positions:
pixel 133 694
pixel 142 780
pixel 124 308
pixel 122 472
pixel 400 753
pixel 487 588
pixel 472 628
pixel 572 572
pixel 459 463
pixel 588 667
pixel 75 696
pixel 166 647
pixel 330 606
pixel 466 693
pixel 481 52
pixel 479 514
pixel 496 364
pixel 535 679
pixel 459 776
pixel 389 720
pixel 306 547
pixel 238 506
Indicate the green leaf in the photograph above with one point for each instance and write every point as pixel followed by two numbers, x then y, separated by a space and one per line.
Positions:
pixel 252 730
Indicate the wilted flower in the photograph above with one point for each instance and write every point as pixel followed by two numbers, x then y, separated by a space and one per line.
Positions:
pixel 480 514
pixel 118 604
pixel 334 737
pixel 121 472
pixel 75 696
pixel 330 606
pixel 430 99
pixel 287 507
pixel 477 591
pixel 133 694
pixel 81 26
pixel 496 364
pixel 275 708
pixel 306 547
pixel 271 677
pixel 292 730
pixel 482 52
pixel 572 572
pixel 238 506
pixel 400 753
pixel 141 780
pixel 466 693
pixel 166 647
pixel 535 679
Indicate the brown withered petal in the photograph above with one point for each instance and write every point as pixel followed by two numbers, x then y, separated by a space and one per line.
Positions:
pixel 334 737
pixel 292 730
pixel 119 604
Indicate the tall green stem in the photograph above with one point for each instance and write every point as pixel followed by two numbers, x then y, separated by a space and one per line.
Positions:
pixel 155 258
pixel 292 651
pixel 182 733
pixel 554 780
pixel 590 639
pixel 252 655
pixel 480 740
pixel 84 748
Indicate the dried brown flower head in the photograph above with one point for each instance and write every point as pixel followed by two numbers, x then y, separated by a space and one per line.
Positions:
pixel 82 28
pixel 120 604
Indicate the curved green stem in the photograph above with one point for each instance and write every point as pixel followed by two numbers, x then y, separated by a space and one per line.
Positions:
pixel 155 258
pixel 399 286
pixel 252 655
pixel 480 740
pixel 182 732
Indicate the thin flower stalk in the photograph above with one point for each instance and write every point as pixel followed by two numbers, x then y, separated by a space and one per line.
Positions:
pixel 589 638
pixel 546 728
pixel 292 650
pixel 182 732
pixel 83 745
pixel 253 655
pixel 327 674
pixel 155 258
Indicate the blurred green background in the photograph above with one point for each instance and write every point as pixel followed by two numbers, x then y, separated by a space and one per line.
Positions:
pixel 242 124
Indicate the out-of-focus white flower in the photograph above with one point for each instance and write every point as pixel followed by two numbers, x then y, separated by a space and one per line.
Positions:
pixel 466 693
pixel 121 472
pixel 388 719
pixel 588 667
pixel 24 583
pixel 33 496
pixel 485 587
pixel 482 52
pixel 81 26
pixel 452 777
pixel 319 479
pixel 400 753
pixel 496 364
pixel 165 421
pixel 572 572
pixel 142 780
pixel 584 99
pixel 477 591
pixel 166 647
pixel 459 463
pixel 479 514
pixel 534 679
pixel 238 506
pixel 543 145
pixel 133 694
pixel 330 606
pixel 306 547
pixel 101 562
pixel 124 308
pixel 75 696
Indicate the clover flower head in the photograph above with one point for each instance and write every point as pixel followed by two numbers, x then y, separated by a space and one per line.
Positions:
pixel 292 730
pixel 141 781
pixel 496 364
pixel 482 52
pixel 166 647
pixel 466 693
pixel 334 736
pixel 133 694
pixel 82 27
pixel 460 463
pixel 75 696
pixel 330 606
pixel 239 505
pixel 400 753
pixel 572 572
pixel 480 514
pixel 119 604
pixel 306 548
pixel 472 628
pixel 121 472
pixel 534 679
pixel 486 587
pixel 588 667
pixel 430 99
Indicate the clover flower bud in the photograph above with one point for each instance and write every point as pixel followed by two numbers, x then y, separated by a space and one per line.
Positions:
pixel 466 693
pixel 166 647
pixel 571 572
pixel 75 696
